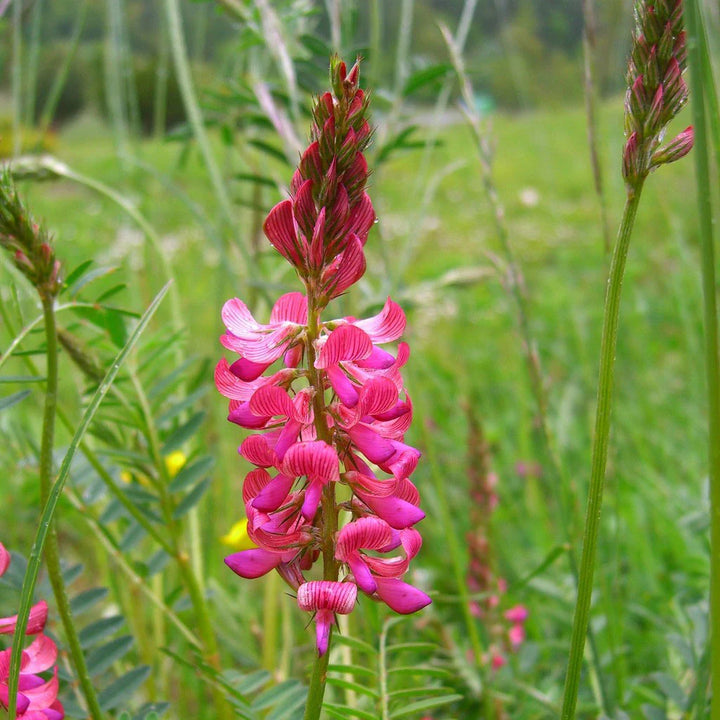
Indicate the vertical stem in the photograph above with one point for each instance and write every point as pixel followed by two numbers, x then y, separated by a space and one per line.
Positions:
pixel 329 508
pixel 52 552
pixel 599 452
pixel 705 215
pixel 17 78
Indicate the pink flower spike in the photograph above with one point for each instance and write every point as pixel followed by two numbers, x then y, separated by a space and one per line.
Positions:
pixel 4 559
pixel 326 598
pixel 517 614
pixel 401 597
pixel 36 620
pixel 386 326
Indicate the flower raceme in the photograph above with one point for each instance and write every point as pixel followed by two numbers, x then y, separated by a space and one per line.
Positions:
pixel 325 398
pixel 37 696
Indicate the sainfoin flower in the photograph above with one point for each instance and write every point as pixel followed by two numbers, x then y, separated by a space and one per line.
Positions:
pixel 37 696
pixel 325 398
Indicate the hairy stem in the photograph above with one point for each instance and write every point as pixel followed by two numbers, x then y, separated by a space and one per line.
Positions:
pixel 599 452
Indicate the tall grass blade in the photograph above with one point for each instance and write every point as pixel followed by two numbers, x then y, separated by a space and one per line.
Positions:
pixel 41 534
pixel 703 86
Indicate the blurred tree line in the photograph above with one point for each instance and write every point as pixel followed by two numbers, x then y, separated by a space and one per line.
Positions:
pixel 519 53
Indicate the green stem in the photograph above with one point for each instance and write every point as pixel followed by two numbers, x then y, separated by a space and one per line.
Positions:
pixel 329 506
pixel 599 452
pixel 52 551
pixel 697 50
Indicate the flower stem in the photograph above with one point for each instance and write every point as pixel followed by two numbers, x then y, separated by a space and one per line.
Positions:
pixel 52 551
pixel 328 504
pixel 599 451
pixel 697 49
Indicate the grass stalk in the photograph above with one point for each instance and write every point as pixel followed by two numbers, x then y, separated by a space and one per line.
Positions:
pixel 52 549
pixel 581 615
pixel 32 63
pixel 701 77
pixel 17 90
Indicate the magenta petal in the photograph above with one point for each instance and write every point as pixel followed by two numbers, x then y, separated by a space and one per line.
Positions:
pixel 387 325
pixel 378 359
pixel 271 400
pixel 324 620
pixel 273 494
pixel 247 370
pixel 401 597
pixel 312 500
pixel 395 512
pixel 362 217
pixel 4 559
pixel 363 576
pixel 255 449
pixel 238 319
pixel 377 395
pixel 342 386
pixel 241 414
pixel 44 695
pixel 288 436
pixel 22 701
pixel 347 268
pixel 36 620
pixel 375 448
pixel 253 563
pixel 315 459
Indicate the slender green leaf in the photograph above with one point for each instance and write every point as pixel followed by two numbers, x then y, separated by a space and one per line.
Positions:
pixel 101 658
pixel 85 600
pixel 14 399
pixel 350 685
pixel 89 277
pixel 355 644
pixel 268 149
pixel 100 629
pixel 75 274
pixel 183 433
pixel 343 712
pixel 191 473
pixel 191 499
pixel 425 77
pixel 423 705
pixel 19 379
pixel 352 670
pixel 123 688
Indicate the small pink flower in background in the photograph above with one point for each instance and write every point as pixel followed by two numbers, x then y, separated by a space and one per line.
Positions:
pixel 326 402
pixel 37 696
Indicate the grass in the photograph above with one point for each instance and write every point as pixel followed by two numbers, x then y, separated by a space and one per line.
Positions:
pixel 652 572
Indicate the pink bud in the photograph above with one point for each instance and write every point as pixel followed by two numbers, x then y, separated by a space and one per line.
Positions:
pixel 677 148
pixel 517 614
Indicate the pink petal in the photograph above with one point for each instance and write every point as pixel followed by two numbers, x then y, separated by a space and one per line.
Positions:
pixel 272 401
pixel 255 482
pixel 44 695
pixel 370 533
pixel 302 406
pixel 280 230
pixel 386 326
pixel 346 269
pixel 262 347
pixel 517 614
pixel 288 436
pixel 22 701
pixel 315 459
pixel 361 573
pixel 272 496
pixel 36 620
pixel 324 620
pixel 375 448
pixel 377 395
pixel 401 597
pixel 378 359
pixel 241 414
pixel 41 653
pixel 342 386
pixel 291 307
pixel 337 597
pixel 345 343
pixel 4 559
pixel 317 243
pixel 312 500
pixel 247 370
pixel 253 563
pixel 238 319
pixel 516 635
pixel 304 209
pixel 255 449
pixel 394 511
pixel 369 484
pixel 362 217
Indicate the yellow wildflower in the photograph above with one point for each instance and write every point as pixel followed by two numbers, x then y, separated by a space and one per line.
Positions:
pixel 238 537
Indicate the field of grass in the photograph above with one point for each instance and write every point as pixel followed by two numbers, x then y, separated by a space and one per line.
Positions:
pixel 435 250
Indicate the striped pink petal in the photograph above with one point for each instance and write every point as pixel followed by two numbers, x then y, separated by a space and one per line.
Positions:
pixel 238 319
pixel 393 510
pixel 346 269
pixel 367 533
pixel 304 209
pixel 241 414
pixel 362 217
pixel 280 230
pixel 377 395
pixel 339 597
pixel 387 325
pixel 345 343
pixel 291 307
pixel 316 460
pixel 312 499
pixel 271 401
pixel 254 483
pixel 36 620
pixel 41 654
pixel 255 449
